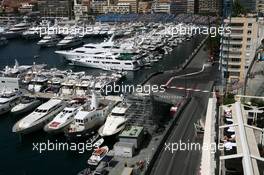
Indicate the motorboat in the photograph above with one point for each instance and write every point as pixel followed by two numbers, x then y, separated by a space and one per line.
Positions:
pixel 116 120
pixel 49 40
pixel 65 117
pixel 26 105
pixel 90 118
pixel 70 41
pixel 16 69
pixel 98 155
pixel 8 99
pixel 16 30
pixel 39 117
pixel 83 86
pixel 38 83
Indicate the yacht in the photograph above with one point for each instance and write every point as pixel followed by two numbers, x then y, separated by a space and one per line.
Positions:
pixel 90 118
pixel 106 46
pixel 106 61
pixel 3 41
pixel 49 40
pixel 116 120
pixel 98 155
pixel 8 99
pixel 17 30
pixel 41 116
pixel 16 69
pixel 26 105
pixel 38 83
pixel 83 86
pixel 65 117
pixel 33 33
pixel 70 41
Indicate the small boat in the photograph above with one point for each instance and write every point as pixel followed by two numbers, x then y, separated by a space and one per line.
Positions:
pixel 49 41
pixel 98 143
pixel 8 100
pixel 98 155
pixel 25 105
pixel 65 117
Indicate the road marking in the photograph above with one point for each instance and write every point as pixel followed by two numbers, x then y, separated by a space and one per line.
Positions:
pixel 188 89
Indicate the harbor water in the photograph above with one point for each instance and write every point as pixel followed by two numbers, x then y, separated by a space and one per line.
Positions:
pixel 17 154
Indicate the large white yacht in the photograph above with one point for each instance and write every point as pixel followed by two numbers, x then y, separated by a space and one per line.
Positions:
pixel 41 116
pixel 70 41
pixel 49 40
pixel 107 61
pixel 90 118
pixel 8 99
pixel 65 117
pixel 116 120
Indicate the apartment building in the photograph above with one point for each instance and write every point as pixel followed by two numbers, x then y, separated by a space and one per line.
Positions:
pixel 119 8
pixel 55 7
pixel 97 6
pixel 144 7
pixel 180 6
pixel 133 4
pixel 192 6
pixel 211 6
pixel 238 48
pixel 260 6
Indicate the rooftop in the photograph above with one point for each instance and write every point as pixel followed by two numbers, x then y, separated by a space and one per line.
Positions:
pixel 131 131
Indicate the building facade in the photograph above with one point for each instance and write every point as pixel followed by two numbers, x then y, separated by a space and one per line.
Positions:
pixel 55 7
pixel 122 8
pixel 97 6
pixel 260 6
pixel 145 7
pixel 179 6
pixel 238 49
pixel 211 6
pixel 133 4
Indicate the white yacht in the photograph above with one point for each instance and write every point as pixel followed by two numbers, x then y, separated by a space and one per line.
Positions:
pixel 70 41
pixel 65 117
pixel 41 116
pixel 106 61
pixel 8 99
pixel 16 69
pixel 38 83
pixel 25 105
pixel 116 120
pixel 90 118
pixel 82 87
pixel 49 41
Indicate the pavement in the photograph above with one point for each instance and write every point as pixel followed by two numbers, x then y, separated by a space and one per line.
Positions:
pixel 255 86
pixel 186 162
